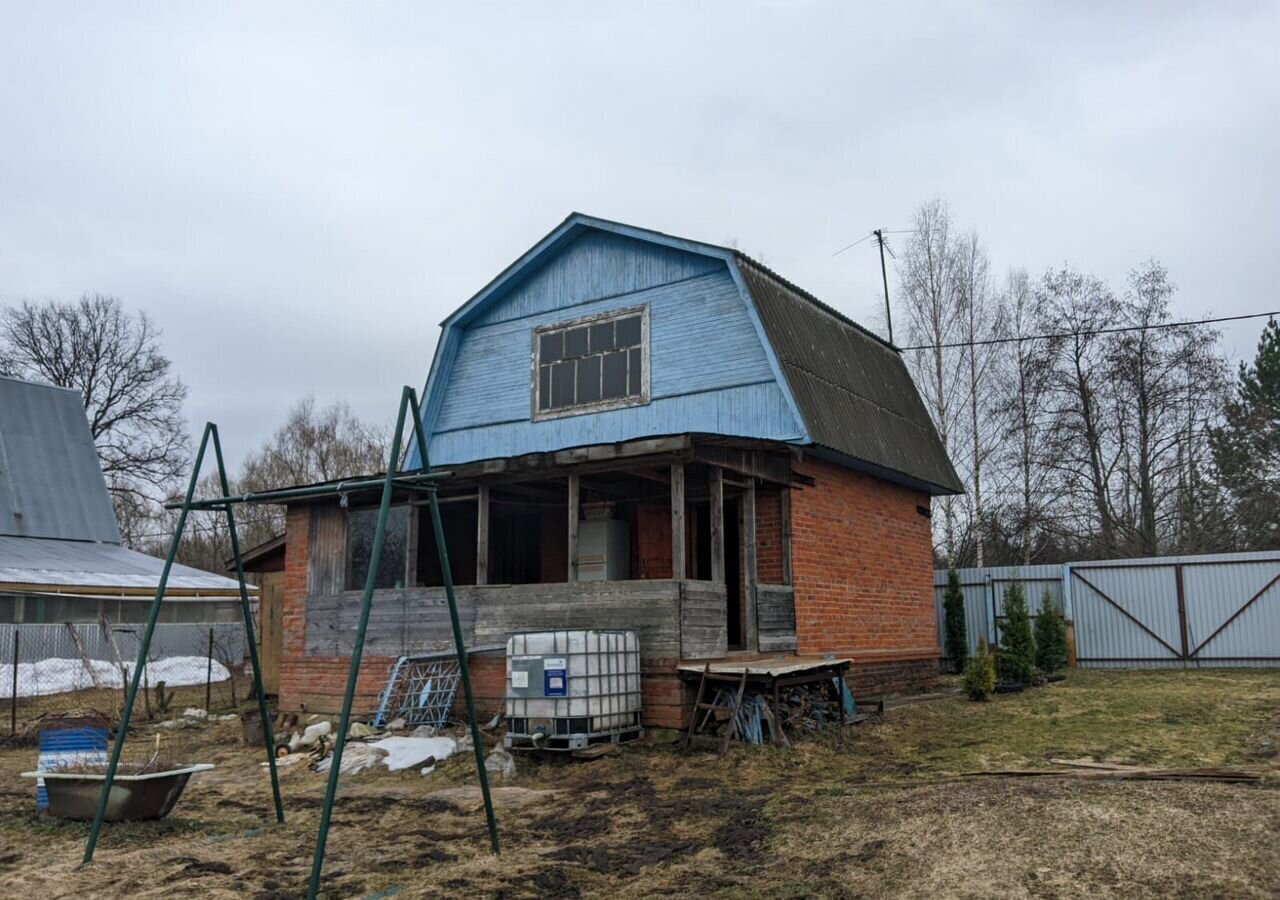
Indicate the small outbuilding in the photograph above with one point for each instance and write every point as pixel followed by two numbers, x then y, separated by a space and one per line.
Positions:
pixel 644 432
pixel 61 558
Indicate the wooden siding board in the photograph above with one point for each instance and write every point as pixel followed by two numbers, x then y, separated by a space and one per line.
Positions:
pixel 704 630
pixel 595 264
pixel 776 613
pixel 327 550
pixel 417 620
pixel 700 339
pixel 753 411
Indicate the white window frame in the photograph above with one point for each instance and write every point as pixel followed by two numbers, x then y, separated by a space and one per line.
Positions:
pixel 539 415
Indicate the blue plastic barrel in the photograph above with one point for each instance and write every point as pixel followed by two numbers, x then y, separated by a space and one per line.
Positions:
pixel 69 742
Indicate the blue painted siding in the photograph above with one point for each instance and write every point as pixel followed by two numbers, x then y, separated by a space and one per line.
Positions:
pixel 709 371
pixel 595 265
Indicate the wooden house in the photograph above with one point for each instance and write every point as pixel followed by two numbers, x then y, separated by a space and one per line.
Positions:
pixel 644 432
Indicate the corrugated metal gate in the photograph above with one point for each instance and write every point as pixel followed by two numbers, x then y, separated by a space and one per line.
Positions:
pixel 1172 612
pixel 1177 612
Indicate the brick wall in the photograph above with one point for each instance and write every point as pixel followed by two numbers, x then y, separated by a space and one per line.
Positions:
pixel 862 560
pixel 769 536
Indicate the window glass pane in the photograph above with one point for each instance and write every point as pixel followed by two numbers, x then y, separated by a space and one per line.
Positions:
pixel 562 384
pixel 615 375
pixel 544 387
pixel 550 347
pixel 8 604
pixel 589 380
pixel 628 332
pixel 634 373
pixel 575 342
pixel 601 337
pixel 361 524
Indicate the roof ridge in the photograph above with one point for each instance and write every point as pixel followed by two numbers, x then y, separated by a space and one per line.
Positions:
pixel 806 295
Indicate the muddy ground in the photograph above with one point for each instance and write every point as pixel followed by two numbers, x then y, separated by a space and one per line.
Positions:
pixel 877 810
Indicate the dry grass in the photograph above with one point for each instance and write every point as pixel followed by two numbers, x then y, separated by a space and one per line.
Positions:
pixel 869 812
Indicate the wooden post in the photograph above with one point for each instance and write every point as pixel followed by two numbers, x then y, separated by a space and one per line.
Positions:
pixel 677 521
pixel 573 527
pixel 749 561
pixel 482 534
pixel 411 554
pixel 785 501
pixel 716 478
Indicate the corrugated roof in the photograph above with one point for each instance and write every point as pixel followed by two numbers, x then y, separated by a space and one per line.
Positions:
pixel 85 564
pixel 51 483
pixel 852 388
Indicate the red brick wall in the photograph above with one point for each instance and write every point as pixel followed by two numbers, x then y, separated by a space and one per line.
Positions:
pixel 769 537
pixel 862 560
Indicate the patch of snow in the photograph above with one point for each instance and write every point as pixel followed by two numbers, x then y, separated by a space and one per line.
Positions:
pixel 62 676
pixel 408 752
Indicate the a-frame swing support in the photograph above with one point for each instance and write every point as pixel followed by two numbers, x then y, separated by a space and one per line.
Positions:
pixel 422 480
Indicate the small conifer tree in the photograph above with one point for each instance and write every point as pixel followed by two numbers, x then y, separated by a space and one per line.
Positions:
pixel 1017 660
pixel 956 632
pixel 1051 636
pixel 980 674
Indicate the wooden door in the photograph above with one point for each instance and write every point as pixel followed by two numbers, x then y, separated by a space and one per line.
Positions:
pixel 270 629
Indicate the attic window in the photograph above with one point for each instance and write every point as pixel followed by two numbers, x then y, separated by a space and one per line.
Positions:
pixel 591 364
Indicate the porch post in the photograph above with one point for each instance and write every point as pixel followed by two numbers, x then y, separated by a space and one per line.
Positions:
pixel 482 534
pixel 677 521
pixel 716 478
pixel 573 527
pixel 749 560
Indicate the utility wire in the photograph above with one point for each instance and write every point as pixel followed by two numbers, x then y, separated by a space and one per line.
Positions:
pixel 1067 334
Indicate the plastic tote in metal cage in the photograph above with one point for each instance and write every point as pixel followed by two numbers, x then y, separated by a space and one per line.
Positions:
pixel 569 689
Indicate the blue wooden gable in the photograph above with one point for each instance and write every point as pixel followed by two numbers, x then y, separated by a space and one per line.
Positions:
pixel 711 370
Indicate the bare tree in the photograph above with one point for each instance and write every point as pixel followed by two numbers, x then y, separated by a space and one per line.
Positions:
pixel 132 399
pixel 1022 388
pixel 1079 306
pixel 932 313
pixel 1168 383
pixel 980 320
pixel 314 444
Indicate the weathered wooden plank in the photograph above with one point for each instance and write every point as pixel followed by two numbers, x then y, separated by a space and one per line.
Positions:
pixel 704 627
pixel 482 535
pixel 677 521
pixel 716 481
pixel 574 513
pixel 326 550
pixel 776 612
pixel 749 561
pixel 775 467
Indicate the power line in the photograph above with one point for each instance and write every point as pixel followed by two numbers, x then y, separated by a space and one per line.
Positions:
pixel 869 235
pixel 1067 334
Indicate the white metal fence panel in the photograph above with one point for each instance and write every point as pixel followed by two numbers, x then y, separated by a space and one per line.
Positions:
pixel 1179 612
pixel 983 591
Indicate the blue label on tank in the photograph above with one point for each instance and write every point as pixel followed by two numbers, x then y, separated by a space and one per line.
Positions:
pixel 554 683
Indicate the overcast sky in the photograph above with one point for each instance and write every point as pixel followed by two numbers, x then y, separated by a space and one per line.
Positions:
pixel 299 193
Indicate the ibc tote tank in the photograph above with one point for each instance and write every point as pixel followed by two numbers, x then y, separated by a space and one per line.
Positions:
pixel 569 689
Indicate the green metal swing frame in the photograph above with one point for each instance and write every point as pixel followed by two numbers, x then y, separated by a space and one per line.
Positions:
pixel 421 479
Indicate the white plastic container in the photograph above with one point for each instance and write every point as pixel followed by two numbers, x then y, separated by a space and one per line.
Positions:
pixel 568 689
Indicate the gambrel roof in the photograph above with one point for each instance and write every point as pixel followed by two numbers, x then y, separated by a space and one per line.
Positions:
pixel 851 395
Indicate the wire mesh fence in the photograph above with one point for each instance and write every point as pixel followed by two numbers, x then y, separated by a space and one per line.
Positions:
pixel 53 670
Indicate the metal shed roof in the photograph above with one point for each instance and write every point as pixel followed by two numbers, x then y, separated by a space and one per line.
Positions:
pixel 100 567
pixel 51 483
